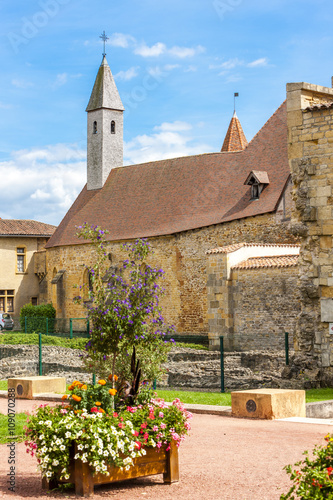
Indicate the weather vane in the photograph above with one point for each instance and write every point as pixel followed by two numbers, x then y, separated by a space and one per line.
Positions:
pixel 236 94
pixel 104 38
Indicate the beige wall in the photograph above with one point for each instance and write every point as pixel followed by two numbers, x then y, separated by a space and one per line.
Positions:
pixel 181 256
pixel 24 284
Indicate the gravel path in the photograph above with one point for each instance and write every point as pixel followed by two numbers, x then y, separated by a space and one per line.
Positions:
pixel 224 458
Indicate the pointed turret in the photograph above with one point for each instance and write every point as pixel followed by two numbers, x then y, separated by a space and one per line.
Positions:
pixel 105 93
pixel 235 139
pixel 105 128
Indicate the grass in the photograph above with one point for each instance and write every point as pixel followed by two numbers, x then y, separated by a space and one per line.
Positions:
pixel 32 339
pixel 202 398
pixel 20 421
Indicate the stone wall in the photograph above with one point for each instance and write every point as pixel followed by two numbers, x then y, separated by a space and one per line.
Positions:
pixel 310 136
pixel 183 258
pixel 186 368
pixel 265 305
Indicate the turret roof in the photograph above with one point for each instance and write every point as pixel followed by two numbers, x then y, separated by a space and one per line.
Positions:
pixel 105 93
pixel 235 139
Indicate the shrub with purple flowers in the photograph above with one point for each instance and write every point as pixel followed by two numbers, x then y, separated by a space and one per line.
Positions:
pixel 124 310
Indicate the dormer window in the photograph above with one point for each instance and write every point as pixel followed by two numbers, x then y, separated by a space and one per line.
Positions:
pixel 113 127
pixel 258 180
pixel 95 128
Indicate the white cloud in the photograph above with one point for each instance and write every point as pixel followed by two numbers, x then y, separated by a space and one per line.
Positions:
pixel 170 67
pixel 190 69
pixel 128 74
pixel 42 183
pixel 143 49
pixel 177 126
pixel 61 80
pixel 21 84
pixel 5 106
pixel 171 141
pixel 153 51
pixel 121 40
pixel 183 52
pixel 258 62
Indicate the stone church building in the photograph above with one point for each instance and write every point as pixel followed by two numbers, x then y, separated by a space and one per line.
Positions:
pixel 224 226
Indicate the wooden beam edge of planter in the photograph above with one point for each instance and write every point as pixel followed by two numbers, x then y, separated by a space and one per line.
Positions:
pixel 154 462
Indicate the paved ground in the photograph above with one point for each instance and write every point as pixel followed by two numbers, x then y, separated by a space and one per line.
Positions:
pixel 224 458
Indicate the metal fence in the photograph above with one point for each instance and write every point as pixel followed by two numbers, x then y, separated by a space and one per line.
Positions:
pixel 59 327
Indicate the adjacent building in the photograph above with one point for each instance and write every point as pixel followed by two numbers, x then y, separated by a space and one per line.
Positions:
pixel 19 240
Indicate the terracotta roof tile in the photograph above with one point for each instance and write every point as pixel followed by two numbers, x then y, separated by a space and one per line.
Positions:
pixel 237 246
pixel 260 262
pixel 179 194
pixel 20 227
pixel 235 139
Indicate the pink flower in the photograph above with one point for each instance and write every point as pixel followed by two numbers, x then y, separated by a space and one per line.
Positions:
pixel 144 425
pixel 146 435
pixel 138 445
pixel 159 444
pixel 155 428
pixel 63 411
pixel 161 414
pixel 135 433
pixel 163 426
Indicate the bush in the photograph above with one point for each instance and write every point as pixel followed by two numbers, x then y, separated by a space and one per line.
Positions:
pixel 313 477
pixel 36 318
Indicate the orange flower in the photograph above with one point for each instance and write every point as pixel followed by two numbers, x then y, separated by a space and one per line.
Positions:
pixel 112 392
pixel 71 387
pixel 102 382
pixel 98 403
pixel 114 376
pixel 76 398
pixel 84 387
pixel 101 410
pixel 64 397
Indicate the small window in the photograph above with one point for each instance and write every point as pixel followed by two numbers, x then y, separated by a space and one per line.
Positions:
pixel 95 128
pixel 113 127
pixel 34 301
pixel 20 260
pixel 255 191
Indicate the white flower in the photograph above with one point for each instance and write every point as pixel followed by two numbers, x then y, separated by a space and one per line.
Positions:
pixel 80 447
pixel 62 447
pixel 79 434
pixel 41 437
pixel 127 467
pixel 100 452
pixel 58 441
pixel 55 462
pixel 143 452
pixel 96 435
pixel 48 474
pixel 105 453
pixel 66 476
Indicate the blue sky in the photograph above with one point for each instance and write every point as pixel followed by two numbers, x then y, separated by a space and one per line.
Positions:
pixel 177 65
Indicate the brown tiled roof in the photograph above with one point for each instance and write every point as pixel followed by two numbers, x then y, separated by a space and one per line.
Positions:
pixel 19 227
pixel 237 246
pixel 235 139
pixel 260 262
pixel 170 196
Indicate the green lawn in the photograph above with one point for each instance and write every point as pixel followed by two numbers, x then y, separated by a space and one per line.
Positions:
pixel 20 421
pixel 216 398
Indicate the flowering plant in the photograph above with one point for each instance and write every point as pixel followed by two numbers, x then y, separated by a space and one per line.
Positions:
pixel 102 438
pixel 124 310
pixel 313 477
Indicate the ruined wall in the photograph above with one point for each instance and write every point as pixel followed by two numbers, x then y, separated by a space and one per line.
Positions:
pixel 181 256
pixel 310 137
pixel 265 305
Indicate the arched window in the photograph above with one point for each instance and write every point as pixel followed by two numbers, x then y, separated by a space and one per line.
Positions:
pixel 88 284
pixel 113 127
pixel 95 128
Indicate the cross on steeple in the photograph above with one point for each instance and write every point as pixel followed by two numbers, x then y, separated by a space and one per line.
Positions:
pixel 104 38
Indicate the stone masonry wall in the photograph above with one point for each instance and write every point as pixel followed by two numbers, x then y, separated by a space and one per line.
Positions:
pixel 181 256
pixel 265 305
pixel 310 136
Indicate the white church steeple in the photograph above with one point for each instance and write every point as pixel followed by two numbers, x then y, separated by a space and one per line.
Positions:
pixel 105 128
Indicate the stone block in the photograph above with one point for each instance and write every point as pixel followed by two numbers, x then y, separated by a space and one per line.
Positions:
pixel 28 387
pixel 268 403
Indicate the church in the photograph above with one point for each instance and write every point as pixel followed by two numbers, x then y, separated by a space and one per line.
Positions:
pixel 188 208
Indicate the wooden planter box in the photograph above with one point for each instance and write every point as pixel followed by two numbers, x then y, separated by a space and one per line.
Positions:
pixel 154 462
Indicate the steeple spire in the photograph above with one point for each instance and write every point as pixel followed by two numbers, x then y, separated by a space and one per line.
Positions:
pixel 235 139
